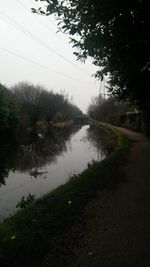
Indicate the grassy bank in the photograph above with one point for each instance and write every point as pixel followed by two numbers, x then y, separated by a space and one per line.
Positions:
pixel 30 234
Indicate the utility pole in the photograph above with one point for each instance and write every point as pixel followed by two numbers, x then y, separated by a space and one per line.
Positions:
pixel 102 97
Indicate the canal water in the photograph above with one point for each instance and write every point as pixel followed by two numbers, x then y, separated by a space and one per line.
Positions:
pixel 46 161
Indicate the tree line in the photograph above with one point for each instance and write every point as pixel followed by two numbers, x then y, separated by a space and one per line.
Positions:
pixel 25 105
pixel 113 111
pixel 108 110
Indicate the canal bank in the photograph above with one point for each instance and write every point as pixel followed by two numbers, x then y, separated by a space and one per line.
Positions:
pixel 40 230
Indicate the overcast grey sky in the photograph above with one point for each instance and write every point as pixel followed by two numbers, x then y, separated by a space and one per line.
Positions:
pixel 31 50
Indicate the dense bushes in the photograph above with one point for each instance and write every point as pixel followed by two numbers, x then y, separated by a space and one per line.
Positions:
pixel 9 111
pixel 39 104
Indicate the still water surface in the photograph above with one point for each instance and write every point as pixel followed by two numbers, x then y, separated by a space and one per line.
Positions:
pixel 56 156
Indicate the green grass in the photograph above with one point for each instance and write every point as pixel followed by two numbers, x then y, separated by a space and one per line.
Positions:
pixel 30 234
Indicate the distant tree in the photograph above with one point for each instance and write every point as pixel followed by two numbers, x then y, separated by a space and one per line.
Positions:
pixel 28 96
pixel 107 110
pixel 72 111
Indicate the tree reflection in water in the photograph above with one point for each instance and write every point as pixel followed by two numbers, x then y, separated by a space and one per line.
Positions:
pixel 102 139
pixel 36 152
pixel 8 156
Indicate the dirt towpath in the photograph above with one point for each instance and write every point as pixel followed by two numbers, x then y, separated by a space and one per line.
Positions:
pixel 115 227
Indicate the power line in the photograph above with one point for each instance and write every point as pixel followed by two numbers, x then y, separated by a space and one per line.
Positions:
pixel 11 21
pixel 39 65
pixel 35 4
pixel 38 18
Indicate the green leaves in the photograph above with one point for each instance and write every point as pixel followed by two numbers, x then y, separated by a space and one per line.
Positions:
pixel 9 110
pixel 33 10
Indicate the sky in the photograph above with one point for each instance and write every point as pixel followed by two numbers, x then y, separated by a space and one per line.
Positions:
pixel 32 50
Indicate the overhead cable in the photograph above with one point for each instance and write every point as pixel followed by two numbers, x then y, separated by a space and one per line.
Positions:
pixel 21 28
pixel 41 65
pixel 38 18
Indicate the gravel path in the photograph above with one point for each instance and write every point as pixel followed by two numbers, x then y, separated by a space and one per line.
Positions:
pixel 114 229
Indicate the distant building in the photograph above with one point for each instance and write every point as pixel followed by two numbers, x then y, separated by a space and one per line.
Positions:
pixel 81 119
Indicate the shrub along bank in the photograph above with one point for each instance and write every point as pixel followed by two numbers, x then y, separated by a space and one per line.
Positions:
pixel 30 234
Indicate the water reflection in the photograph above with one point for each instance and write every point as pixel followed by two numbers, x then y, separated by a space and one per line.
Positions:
pixel 55 155
pixel 102 139
pixel 8 157
pixel 43 149
pixel 37 151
